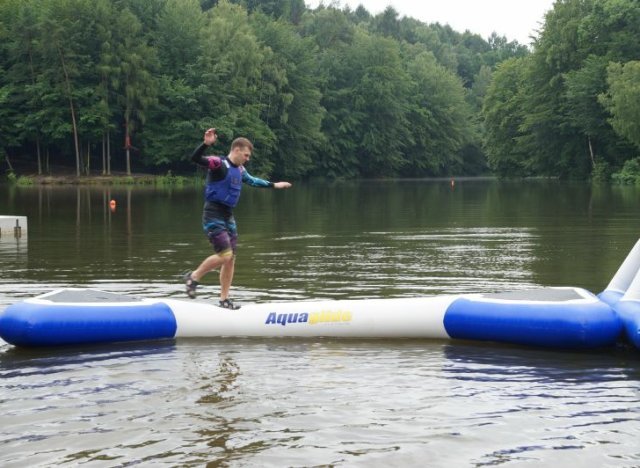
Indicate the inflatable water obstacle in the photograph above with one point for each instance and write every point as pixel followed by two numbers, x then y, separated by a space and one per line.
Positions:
pixel 557 317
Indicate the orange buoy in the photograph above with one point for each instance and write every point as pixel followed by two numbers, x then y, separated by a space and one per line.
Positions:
pixel 112 205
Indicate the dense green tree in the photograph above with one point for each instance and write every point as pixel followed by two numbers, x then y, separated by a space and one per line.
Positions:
pixel 230 82
pixel 361 14
pixel 177 37
pixel 564 129
pixel 582 109
pixel 551 143
pixel 137 86
pixel 175 120
pixel 366 102
pixel 470 52
pixel 503 113
pixel 334 34
pixel 329 28
pixel 623 99
pixel 387 23
pixel 289 10
pixel 290 89
pixel 7 137
pixel 325 92
pixel 439 116
pixel 107 67
pixel 21 49
pixel 610 28
pixel 478 91
pixel 501 49
pixel 65 46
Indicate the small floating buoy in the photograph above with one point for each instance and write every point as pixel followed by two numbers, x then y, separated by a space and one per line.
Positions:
pixel 112 205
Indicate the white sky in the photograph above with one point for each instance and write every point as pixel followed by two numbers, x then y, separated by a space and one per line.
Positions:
pixel 515 19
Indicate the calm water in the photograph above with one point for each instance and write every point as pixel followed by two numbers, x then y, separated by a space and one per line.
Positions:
pixel 249 402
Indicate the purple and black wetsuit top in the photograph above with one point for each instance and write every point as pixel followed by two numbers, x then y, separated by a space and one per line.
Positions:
pixel 222 189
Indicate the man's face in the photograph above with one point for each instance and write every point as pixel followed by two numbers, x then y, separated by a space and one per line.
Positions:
pixel 241 154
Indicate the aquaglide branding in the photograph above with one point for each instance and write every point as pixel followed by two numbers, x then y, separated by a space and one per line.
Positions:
pixel 311 318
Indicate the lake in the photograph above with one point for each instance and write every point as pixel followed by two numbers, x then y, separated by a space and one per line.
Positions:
pixel 321 402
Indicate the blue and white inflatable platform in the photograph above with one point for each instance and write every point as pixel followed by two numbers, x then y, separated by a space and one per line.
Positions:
pixel 558 317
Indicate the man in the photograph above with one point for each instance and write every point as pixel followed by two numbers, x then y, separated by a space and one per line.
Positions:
pixel 225 176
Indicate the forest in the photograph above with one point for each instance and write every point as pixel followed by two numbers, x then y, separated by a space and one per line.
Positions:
pixel 102 86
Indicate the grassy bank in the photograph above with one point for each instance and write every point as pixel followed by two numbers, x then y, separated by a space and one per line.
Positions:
pixel 168 179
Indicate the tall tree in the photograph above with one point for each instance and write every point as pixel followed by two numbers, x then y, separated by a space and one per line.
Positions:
pixel 138 87
pixel 552 143
pixel 503 114
pixel 175 119
pixel 387 23
pixel 366 102
pixel 65 60
pixel 623 99
pixel 22 54
pixel 288 10
pixel 231 72
pixel 582 109
pixel 564 129
pixel 439 118
pixel 290 94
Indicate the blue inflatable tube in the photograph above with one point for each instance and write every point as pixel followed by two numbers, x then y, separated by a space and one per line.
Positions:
pixel 629 313
pixel 555 325
pixel 623 295
pixel 28 324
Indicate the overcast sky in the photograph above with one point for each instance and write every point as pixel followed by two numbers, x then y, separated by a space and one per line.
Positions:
pixel 515 19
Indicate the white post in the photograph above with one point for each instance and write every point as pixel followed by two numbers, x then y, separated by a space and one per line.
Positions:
pixel 627 272
pixel 13 226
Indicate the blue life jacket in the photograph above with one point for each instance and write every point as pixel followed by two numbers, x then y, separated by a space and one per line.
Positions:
pixel 227 190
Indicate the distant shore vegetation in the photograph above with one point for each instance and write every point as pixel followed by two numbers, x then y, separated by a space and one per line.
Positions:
pixel 129 86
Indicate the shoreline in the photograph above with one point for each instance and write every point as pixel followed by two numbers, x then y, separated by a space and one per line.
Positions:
pixel 113 179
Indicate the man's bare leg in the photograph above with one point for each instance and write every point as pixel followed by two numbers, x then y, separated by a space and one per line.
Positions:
pixel 226 277
pixel 210 263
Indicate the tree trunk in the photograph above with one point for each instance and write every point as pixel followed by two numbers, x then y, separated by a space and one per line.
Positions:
pixel 591 153
pixel 127 145
pixel 128 161
pixel 6 156
pixel 104 154
pixel 108 154
pixel 39 156
pixel 73 111
pixel 88 167
pixel 33 82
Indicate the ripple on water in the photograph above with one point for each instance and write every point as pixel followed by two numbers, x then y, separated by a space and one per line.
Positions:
pixel 256 402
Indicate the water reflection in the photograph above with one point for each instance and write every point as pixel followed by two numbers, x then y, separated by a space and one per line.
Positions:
pixel 579 398
pixel 533 364
pixel 14 249
pixel 323 402
pixel 24 362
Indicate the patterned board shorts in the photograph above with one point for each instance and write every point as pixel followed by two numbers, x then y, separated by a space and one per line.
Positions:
pixel 222 234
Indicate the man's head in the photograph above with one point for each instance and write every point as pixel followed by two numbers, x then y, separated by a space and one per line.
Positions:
pixel 241 149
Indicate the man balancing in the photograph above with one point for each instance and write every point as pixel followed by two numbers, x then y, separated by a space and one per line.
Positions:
pixel 225 175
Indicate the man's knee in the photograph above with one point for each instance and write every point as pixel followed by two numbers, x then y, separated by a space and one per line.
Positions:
pixel 227 257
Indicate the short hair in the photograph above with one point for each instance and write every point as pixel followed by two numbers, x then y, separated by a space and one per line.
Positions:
pixel 242 142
